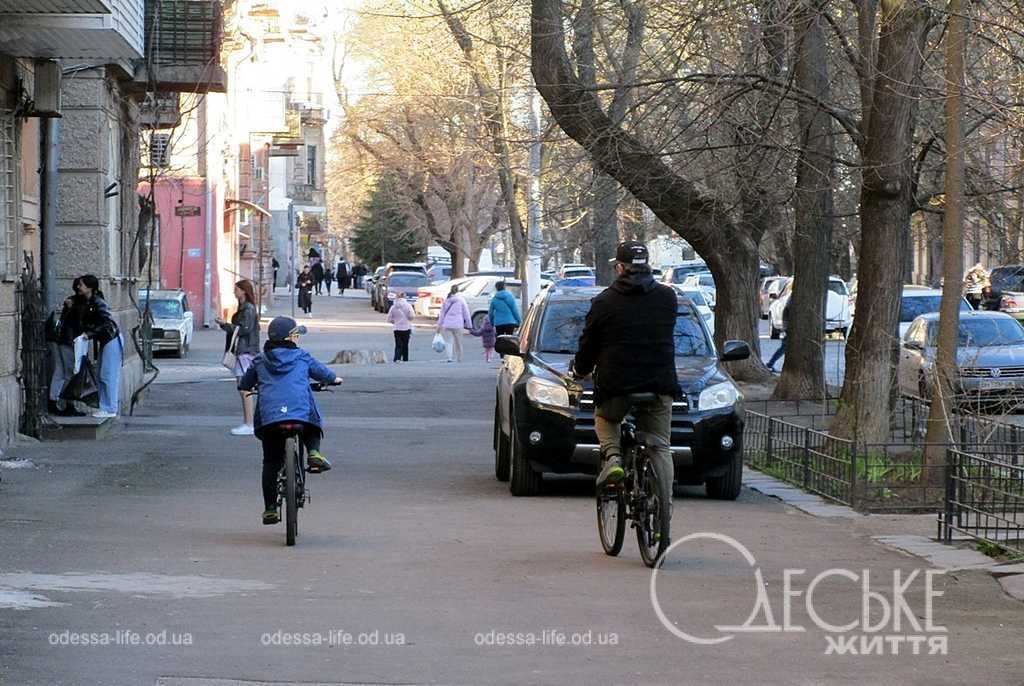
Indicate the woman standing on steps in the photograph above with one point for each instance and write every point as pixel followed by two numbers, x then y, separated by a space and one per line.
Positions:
pixel 98 325
pixel 247 346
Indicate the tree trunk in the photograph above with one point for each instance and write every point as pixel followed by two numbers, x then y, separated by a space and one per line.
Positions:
pixel 606 225
pixel 943 396
pixel 676 200
pixel 886 206
pixel 803 375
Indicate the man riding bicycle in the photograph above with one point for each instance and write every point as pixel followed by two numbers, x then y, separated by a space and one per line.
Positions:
pixel 629 342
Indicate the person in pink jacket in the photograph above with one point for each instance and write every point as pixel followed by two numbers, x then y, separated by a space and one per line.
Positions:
pixel 400 316
pixel 451 321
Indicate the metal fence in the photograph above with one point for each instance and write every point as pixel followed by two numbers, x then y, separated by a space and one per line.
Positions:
pixel 889 477
pixel 984 501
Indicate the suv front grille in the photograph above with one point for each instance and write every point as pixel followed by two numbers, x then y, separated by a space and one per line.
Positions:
pixel 587 403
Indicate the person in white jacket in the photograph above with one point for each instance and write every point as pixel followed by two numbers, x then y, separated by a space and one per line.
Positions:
pixel 452 321
pixel 400 316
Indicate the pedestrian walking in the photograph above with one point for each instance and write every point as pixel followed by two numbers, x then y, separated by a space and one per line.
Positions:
pixel 781 350
pixel 98 325
pixel 400 317
pixel 504 311
pixel 61 331
pixel 246 346
pixel 452 320
pixel 343 277
pixel 328 280
pixel 276 265
pixel 317 272
pixel 304 283
pixel 488 336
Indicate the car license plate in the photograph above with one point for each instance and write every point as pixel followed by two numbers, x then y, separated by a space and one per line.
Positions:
pixel 996 384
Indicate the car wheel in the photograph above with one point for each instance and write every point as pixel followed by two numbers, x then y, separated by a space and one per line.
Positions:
pixel 501 449
pixel 523 481
pixel 478 320
pixel 728 486
pixel 773 332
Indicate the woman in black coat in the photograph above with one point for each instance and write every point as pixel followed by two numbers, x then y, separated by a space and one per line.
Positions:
pixel 318 276
pixel 305 286
pixel 342 277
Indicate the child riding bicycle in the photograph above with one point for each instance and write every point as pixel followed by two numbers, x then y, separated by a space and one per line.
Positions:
pixel 282 374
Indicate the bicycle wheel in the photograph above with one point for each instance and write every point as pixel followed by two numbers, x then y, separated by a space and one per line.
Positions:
pixel 611 519
pixel 652 532
pixel 291 504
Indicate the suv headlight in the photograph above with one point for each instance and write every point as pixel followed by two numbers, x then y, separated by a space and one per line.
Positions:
pixel 718 396
pixel 543 392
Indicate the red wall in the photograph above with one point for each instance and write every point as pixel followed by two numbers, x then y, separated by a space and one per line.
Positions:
pixel 182 240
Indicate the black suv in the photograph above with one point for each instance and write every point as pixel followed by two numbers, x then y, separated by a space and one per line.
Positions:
pixel 544 419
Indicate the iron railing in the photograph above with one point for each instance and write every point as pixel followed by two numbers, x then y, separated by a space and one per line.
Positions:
pixel 983 501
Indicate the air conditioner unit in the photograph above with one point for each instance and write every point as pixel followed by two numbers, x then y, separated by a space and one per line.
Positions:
pixel 46 96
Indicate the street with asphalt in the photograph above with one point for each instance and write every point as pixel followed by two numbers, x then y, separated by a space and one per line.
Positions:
pixel 140 559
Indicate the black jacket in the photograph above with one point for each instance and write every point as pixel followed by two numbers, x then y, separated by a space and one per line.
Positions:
pixel 63 329
pixel 248 324
pixel 629 339
pixel 98 321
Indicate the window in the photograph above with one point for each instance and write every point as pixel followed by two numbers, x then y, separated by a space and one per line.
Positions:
pixel 8 196
pixel 160 150
pixel 311 165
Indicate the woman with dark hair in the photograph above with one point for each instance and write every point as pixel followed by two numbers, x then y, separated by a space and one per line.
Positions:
pixel 62 331
pixel 343 277
pixel 247 346
pixel 98 325
pixel 318 275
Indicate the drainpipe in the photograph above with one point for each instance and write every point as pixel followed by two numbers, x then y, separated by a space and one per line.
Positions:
pixel 204 171
pixel 51 168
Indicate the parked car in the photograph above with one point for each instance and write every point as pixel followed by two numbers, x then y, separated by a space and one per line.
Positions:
pixel 544 420
pixel 371 281
pixel 392 267
pixel 837 308
pixel 1008 285
pixel 401 282
pixel 696 296
pixel 576 276
pixel 706 282
pixel 989 357
pixel 439 272
pixel 430 298
pixel 173 322
pixel 917 300
pixel 677 274
pixel 770 289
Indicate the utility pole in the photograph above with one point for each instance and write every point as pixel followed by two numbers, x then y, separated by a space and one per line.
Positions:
pixel 533 238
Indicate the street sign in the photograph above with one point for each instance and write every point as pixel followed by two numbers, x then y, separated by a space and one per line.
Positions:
pixel 186 211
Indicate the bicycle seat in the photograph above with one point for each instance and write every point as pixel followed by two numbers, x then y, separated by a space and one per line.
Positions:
pixel 642 398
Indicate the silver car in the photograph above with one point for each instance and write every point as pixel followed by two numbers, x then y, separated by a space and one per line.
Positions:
pixel 989 357
pixel 173 324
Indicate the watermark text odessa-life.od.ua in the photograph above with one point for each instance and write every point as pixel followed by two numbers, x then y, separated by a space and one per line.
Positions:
pixel 885 623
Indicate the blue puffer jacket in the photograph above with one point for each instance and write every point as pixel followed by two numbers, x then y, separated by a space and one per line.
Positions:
pixel 503 309
pixel 282 374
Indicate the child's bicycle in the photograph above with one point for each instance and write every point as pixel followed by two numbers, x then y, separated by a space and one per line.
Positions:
pixel 642 497
pixel 292 493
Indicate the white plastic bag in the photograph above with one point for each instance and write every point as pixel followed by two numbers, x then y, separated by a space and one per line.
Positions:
pixel 81 350
pixel 438 343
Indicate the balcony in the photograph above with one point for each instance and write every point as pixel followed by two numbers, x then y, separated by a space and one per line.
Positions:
pixel 186 38
pixel 94 30
pixel 160 111
pixel 307 195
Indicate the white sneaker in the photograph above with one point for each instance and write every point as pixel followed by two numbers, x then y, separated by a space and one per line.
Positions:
pixel 242 430
pixel 100 414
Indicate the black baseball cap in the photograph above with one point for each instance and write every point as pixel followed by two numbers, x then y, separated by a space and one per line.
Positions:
pixel 283 327
pixel 632 252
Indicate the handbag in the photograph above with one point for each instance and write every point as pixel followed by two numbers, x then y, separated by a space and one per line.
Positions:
pixel 230 358
pixel 83 386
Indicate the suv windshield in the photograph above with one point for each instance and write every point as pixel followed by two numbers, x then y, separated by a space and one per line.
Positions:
pixel 913 306
pixel 837 287
pixel 679 274
pixel 984 332
pixel 563 323
pixel 406 280
pixel 164 309
pixel 1007 279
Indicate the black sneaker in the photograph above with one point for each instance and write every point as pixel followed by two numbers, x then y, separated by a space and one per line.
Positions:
pixel 271 517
